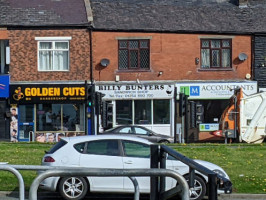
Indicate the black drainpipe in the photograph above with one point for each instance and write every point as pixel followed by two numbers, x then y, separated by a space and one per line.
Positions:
pixel 92 85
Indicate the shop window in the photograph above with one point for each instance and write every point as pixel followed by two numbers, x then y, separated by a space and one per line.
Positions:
pixel 73 118
pixel 123 112
pixel 26 113
pixel 4 56
pixel 53 55
pixel 161 111
pixel 134 54
pixel 216 53
pixel 142 111
pixel 57 117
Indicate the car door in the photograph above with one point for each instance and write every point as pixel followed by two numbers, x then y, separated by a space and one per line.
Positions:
pixel 136 155
pixel 103 154
pixel 143 133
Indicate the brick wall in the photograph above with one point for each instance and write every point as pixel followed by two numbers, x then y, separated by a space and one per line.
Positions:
pixel 174 54
pixel 3 34
pixel 260 58
pixel 23 51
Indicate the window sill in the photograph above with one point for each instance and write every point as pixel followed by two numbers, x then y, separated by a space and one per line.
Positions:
pixel 53 70
pixel 132 71
pixel 218 69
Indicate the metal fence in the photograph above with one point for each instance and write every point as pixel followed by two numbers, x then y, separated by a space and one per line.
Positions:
pixel 158 160
pixel 49 171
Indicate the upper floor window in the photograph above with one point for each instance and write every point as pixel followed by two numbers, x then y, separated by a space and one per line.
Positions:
pixel 53 55
pixel 216 53
pixel 134 54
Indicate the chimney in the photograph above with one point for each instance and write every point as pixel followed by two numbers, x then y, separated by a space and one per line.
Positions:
pixel 242 3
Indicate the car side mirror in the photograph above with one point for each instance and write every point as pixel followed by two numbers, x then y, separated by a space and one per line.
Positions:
pixel 150 134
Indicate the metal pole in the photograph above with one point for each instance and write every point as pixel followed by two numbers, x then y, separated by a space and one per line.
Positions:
pixel 136 187
pixel 154 180
pixel 19 177
pixel 162 166
pixel 191 177
pixel 212 186
pixel 110 172
pixel 183 130
pixel 175 115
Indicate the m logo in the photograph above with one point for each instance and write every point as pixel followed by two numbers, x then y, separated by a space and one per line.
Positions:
pixel 194 91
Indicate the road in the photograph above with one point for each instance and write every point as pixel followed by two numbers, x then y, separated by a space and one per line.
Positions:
pixel 56 196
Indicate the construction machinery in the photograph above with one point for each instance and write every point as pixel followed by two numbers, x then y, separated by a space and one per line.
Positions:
pixel 245 118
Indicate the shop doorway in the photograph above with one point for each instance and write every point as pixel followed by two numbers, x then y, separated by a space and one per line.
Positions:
pixel 26 123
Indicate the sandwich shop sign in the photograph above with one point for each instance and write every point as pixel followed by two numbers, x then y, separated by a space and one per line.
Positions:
pixel 138 91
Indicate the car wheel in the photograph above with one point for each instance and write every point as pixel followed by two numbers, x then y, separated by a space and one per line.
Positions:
pixel 73 188
pixel 164 142
pixel 199 189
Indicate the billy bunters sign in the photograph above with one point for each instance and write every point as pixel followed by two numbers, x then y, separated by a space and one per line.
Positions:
pixel 63 93
pixel 138 91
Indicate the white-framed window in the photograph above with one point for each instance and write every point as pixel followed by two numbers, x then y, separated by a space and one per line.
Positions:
pixel 53 54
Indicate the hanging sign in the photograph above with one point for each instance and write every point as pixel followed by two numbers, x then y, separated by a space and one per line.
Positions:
pixel 4 86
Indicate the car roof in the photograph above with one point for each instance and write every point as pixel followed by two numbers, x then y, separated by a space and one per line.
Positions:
pixel 130 125
pixel 85 138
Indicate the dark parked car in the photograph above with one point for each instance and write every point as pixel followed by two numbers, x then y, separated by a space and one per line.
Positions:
pixel 140 131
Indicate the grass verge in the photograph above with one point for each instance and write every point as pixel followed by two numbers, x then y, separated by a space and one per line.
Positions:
pixel 244 163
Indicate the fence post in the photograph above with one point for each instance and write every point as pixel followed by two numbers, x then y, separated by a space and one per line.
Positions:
pixel 191 177
pixel 19 177
pixel 212 186
pixel 154 180
pixel 162 160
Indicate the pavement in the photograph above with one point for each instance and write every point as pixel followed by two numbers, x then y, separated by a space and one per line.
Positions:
pixel 14 195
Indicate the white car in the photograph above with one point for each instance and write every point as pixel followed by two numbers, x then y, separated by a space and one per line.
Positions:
pixel 112 151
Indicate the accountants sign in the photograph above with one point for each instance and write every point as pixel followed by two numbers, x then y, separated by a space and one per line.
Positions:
pixel 215 90
pixel 46 93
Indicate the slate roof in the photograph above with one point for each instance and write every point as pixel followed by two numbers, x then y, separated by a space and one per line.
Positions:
pixel 217 16
pixel 42 12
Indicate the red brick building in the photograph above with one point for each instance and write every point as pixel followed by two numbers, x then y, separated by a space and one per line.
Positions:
pixel 201 49
pixel 49 68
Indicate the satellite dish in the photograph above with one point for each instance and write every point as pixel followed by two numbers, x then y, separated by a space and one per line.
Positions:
pixel 105 62
pixel 242 56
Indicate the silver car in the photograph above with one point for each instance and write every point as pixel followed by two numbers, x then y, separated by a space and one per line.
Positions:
pixel 140 131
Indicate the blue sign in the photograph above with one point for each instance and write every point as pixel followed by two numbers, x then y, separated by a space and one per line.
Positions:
pixel 194 91
pixel 4 86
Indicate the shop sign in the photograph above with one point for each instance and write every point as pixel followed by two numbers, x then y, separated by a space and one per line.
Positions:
pixel 137 91
pixel 209 127
pixel 4 86
pixel 215 90
pixel 46 93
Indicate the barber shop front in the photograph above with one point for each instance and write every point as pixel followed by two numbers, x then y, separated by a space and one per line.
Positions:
pixel 46 112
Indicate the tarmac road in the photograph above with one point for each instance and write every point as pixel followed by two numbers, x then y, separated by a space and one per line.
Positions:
pixel 55 196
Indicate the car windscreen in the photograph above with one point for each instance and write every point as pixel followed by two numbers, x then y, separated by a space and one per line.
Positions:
pixel 57 146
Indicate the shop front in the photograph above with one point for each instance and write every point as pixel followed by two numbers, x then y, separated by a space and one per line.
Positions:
pixel 206 102
pixel 148 104
pixel 46 112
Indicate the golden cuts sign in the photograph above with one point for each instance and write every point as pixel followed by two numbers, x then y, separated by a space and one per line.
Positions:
pixel 36 94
